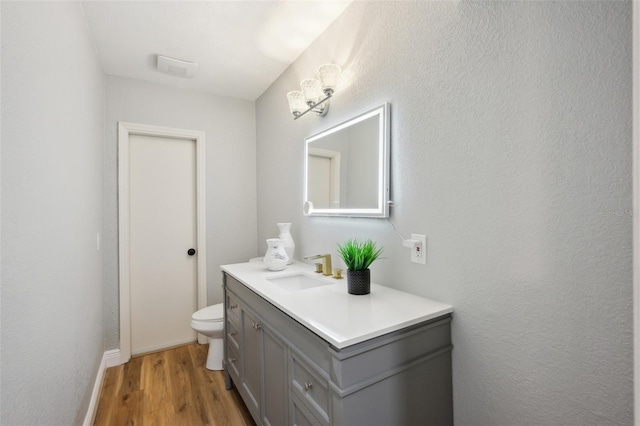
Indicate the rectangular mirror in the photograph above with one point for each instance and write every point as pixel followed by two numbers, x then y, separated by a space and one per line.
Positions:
pixel 347 167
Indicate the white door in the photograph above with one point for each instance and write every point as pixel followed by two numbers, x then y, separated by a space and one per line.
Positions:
pixel 319 181
pixel 323 178
pixel 161 216
pixel 162 230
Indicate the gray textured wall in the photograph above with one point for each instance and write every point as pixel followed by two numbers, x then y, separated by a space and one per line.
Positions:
pixel 52 143
pixel 511 150
pixel 229 125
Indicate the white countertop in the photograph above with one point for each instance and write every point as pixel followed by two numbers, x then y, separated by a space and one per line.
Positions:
pixel 329 311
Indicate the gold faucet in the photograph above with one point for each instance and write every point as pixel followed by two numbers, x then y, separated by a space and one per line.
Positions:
pixel 326 263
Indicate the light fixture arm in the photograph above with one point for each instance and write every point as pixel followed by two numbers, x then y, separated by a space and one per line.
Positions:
pixel 321 111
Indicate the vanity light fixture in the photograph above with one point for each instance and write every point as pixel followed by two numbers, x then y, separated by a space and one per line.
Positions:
pixel 315 93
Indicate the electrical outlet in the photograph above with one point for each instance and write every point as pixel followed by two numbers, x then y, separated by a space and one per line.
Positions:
pixel 418 252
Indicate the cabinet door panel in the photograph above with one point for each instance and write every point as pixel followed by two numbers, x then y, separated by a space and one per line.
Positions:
pixel 251 362
pixel 300 415
pixel 275 380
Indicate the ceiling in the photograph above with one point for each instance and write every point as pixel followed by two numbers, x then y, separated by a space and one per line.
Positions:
pixel 241 47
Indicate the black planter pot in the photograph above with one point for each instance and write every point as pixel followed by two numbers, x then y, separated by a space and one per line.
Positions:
pixel 359 282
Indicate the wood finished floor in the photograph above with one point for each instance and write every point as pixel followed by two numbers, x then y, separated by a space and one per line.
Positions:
pixel 170 388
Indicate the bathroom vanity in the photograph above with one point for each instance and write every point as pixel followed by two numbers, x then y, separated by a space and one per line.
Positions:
pixel 301 351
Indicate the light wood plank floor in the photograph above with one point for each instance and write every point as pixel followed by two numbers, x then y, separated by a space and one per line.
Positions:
pixel 170 388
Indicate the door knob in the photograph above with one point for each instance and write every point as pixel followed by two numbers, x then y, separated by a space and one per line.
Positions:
pixel 191 252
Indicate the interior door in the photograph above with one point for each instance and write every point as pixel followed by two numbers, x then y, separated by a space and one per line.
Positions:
pixel 162 230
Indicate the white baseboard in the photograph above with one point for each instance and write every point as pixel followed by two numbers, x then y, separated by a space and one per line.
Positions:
pixel 109 359
pixel 164 346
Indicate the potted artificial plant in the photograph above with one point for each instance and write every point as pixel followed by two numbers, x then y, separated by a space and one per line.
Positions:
pixel 357 256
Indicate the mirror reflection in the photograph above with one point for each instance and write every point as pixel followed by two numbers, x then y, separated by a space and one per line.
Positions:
pixel 347 167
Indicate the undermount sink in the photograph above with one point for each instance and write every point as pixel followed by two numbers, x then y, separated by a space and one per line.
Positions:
pixel 297 282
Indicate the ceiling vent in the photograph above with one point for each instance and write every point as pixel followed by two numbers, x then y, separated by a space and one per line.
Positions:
pixel 176 67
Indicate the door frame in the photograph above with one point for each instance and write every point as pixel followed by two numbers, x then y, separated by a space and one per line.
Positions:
pixel 334 159
pixel 635 22
pixel 125 130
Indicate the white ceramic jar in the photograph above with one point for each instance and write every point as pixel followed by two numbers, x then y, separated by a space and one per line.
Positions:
pixel 276 257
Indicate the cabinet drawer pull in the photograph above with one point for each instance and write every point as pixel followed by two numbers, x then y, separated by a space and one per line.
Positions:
pixel 232 360
pixel 233 333
pixel 257 326
pixel 232 307
pixel 307 386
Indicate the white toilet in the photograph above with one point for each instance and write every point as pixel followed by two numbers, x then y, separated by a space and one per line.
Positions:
pixel 210 322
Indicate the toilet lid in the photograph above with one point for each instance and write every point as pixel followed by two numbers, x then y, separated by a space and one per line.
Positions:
pixel 213 313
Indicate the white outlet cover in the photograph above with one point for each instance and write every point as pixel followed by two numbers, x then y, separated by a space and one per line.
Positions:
pixel 419 252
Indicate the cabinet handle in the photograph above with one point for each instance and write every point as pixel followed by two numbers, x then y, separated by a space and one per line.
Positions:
pixel 233 333
pixel 307 386
pixel 257 326
pixel 232 360
pixel 232 307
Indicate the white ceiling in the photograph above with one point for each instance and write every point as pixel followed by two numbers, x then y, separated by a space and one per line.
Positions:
pixel 241 47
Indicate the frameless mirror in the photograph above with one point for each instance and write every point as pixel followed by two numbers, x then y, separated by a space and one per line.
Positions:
pixel 347 167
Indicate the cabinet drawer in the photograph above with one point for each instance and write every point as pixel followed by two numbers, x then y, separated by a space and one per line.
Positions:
pixel 233 334
pixel 233 309
pixel 300 414
pixel 310 386
pixel 234 363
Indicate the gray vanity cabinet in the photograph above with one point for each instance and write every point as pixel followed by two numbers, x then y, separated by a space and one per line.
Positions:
pixel 256 361
pixel 288 375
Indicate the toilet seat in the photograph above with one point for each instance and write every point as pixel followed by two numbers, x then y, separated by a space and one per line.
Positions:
pixel 213 313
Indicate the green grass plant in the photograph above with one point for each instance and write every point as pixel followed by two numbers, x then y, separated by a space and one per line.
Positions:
pixel 358 255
